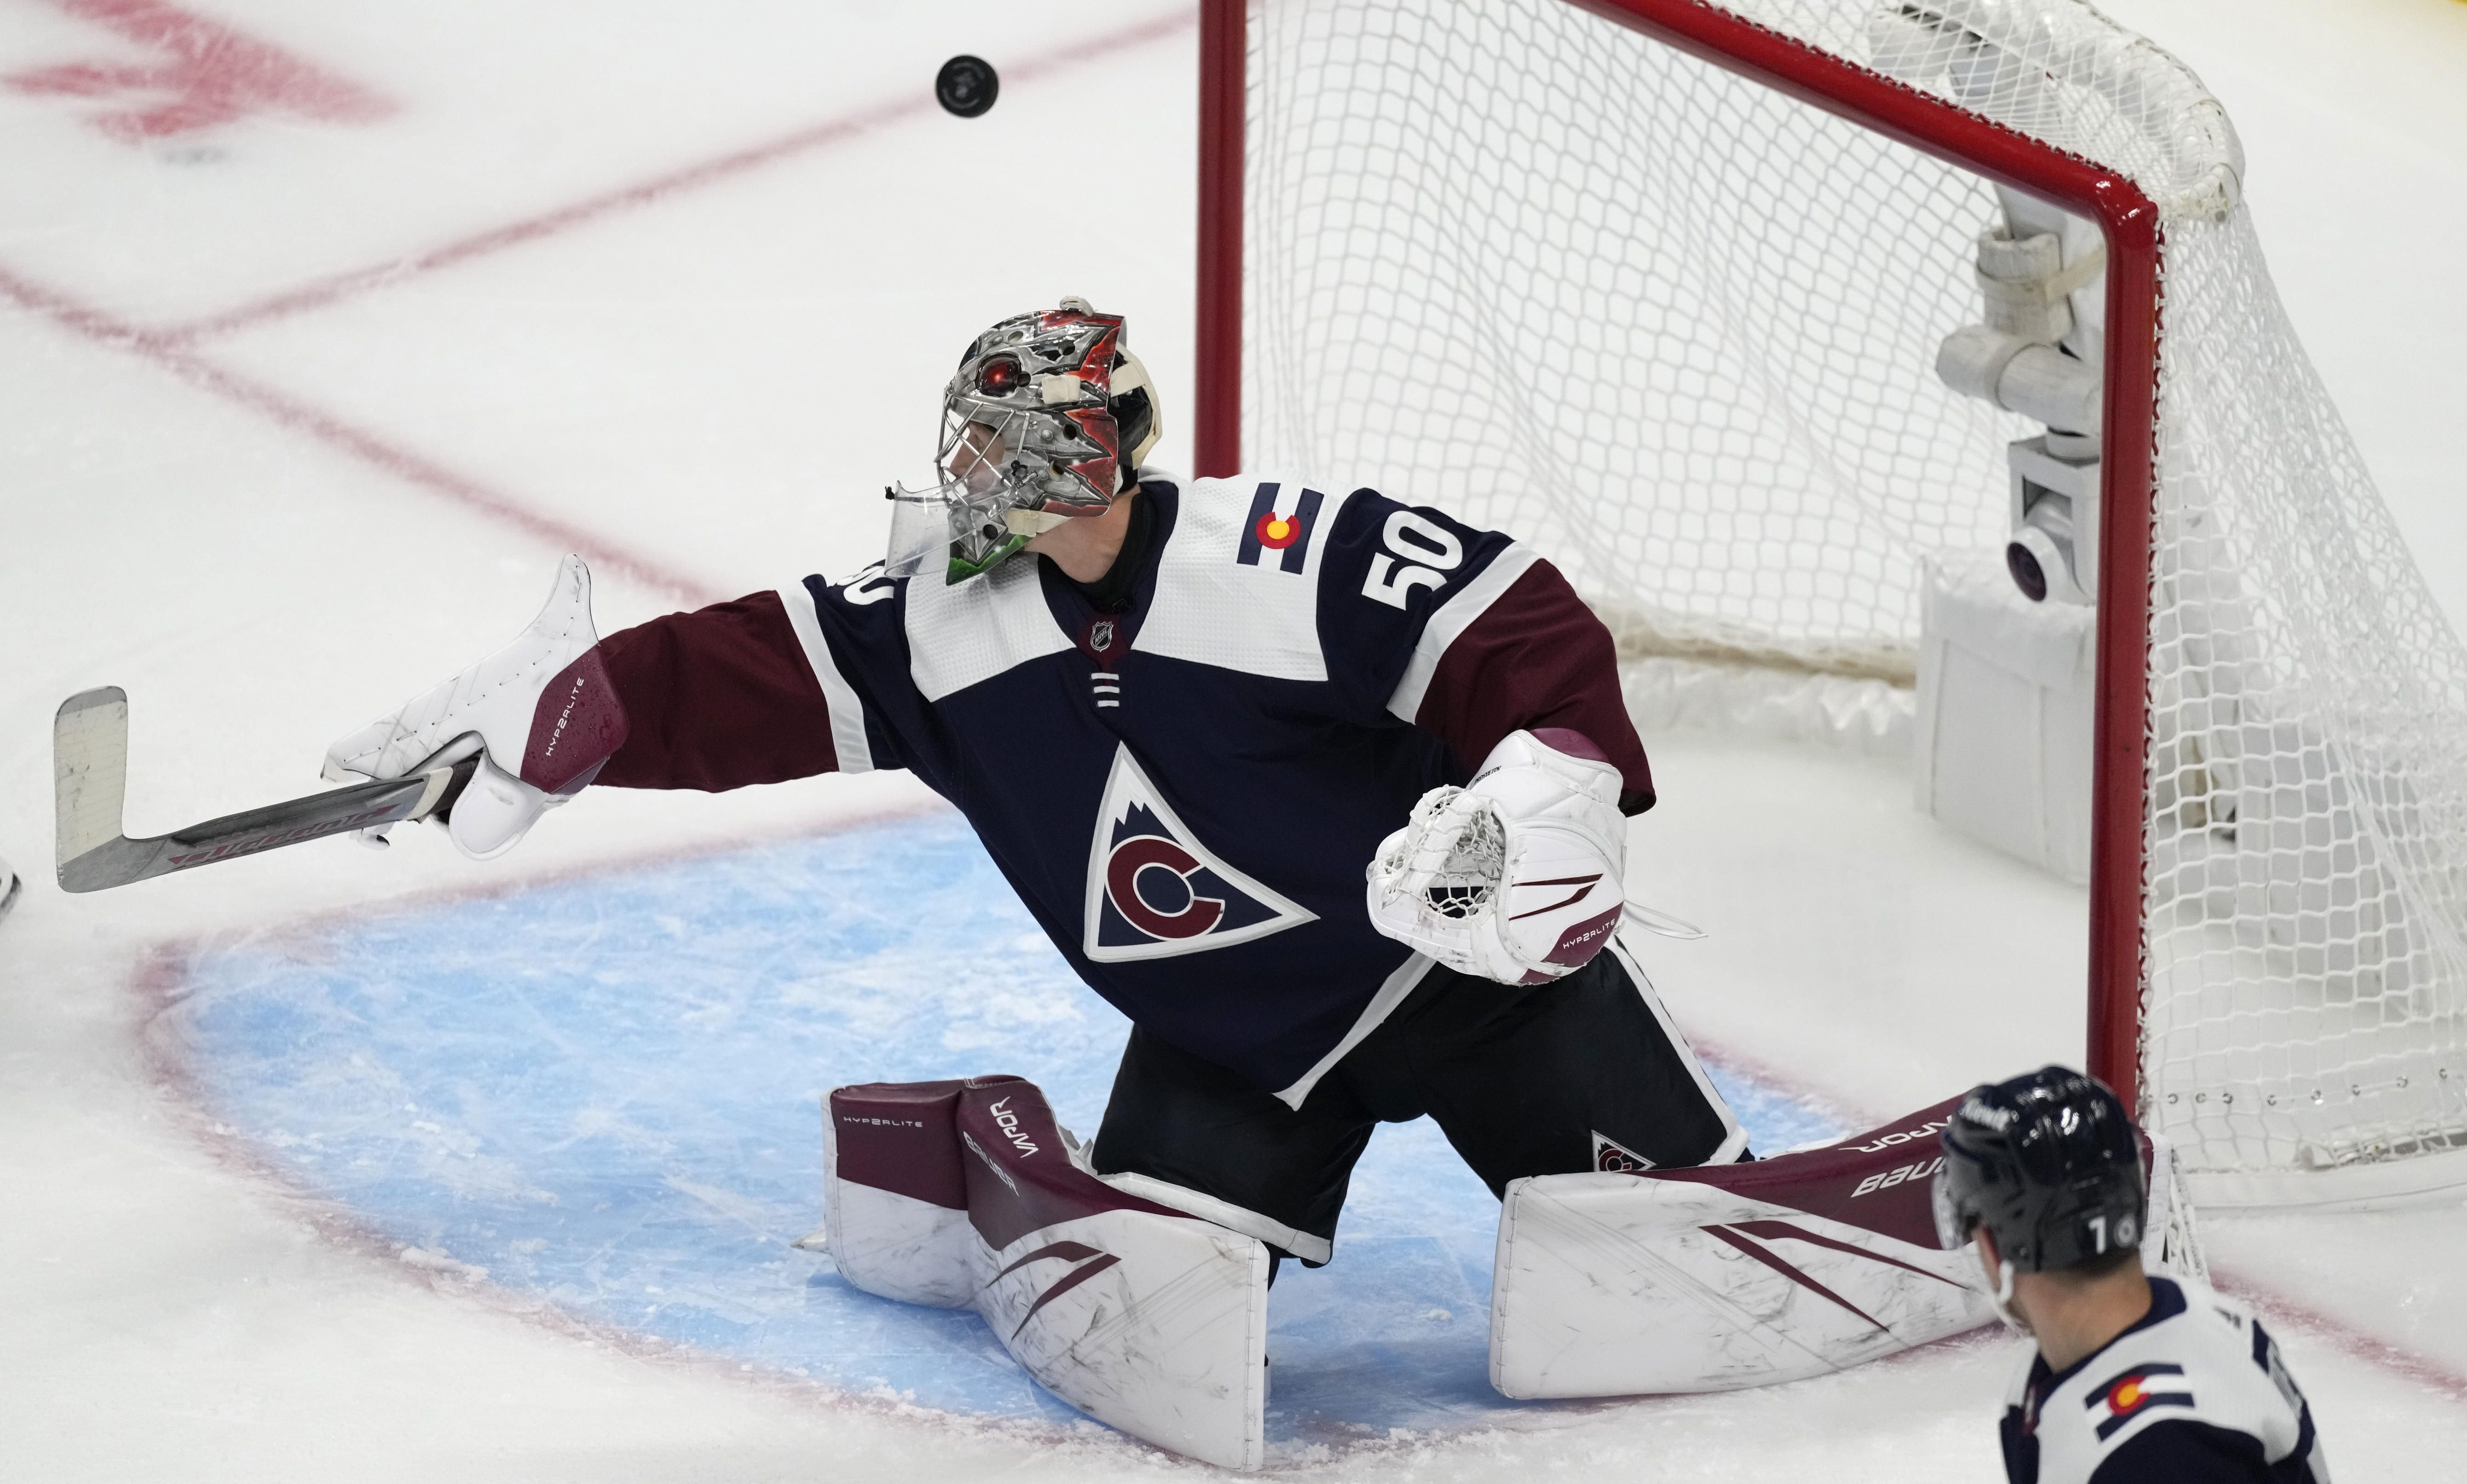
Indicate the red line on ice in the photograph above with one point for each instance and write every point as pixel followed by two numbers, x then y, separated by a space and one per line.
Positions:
pixel 333 431
pixel 322 292
pixel 2345 1337
pixel 202 74
pixel 169 347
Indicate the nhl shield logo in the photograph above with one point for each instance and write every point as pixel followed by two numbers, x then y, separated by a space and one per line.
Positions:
pixel 1155 892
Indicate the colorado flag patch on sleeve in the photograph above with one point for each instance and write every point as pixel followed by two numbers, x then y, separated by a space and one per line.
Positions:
pixel 2136 1392
pixel 1277 531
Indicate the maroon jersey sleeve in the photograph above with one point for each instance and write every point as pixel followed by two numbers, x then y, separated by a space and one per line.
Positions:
pixel 718 699
pixel 1533 657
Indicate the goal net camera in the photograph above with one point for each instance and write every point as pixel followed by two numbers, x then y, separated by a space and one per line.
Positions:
pixel 1683 295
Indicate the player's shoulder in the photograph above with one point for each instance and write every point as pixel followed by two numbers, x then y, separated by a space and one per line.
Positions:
pixel 1238 584
pixel 1268 522
pixel 849 628
pixel 945 637
pixel 1284 575
pixel 868 587
pixel 1290 522
pixel 2198 1359
pixel 862 607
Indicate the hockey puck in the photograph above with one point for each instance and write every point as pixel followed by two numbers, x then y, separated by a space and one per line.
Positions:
pixel 967 86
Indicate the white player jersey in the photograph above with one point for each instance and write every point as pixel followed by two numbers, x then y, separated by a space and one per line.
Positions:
pixel 2194 1392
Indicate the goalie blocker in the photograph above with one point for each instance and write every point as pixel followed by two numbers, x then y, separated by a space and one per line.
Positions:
pixel 1143 1312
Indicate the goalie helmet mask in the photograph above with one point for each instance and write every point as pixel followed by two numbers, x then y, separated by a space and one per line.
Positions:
pixel 1045 419
pixel 2049 1164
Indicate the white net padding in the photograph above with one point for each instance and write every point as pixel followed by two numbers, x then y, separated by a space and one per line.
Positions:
pixel 1677 330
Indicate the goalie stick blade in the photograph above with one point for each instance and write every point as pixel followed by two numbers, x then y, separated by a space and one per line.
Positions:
pixel 90 775
pixel 89 770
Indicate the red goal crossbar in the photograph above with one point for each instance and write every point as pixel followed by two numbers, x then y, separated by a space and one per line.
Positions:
pixel 1935 127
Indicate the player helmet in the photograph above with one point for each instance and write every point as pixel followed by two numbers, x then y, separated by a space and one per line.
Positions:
pixel 1047 418
pixel 2049 1164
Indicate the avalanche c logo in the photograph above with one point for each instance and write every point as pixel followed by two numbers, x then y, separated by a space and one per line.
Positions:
pixel 1167 869
pixel 1154 890
pixel 1276 532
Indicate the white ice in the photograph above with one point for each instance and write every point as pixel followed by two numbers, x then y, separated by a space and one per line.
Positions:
pixel 270 533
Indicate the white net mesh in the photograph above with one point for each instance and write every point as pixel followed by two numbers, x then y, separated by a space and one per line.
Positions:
pixel 2306 885
pixel 1677 330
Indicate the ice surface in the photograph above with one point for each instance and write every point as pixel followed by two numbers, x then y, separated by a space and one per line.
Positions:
pixel 605 1093
pixel 271 533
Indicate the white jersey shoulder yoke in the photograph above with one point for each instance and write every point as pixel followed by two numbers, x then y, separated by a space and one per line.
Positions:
pixel 2205 1364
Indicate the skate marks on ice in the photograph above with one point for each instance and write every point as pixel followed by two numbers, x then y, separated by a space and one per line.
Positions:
pixel 604 1093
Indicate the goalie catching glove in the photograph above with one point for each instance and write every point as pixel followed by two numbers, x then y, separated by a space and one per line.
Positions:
pixel 1518 877
pixel 540 714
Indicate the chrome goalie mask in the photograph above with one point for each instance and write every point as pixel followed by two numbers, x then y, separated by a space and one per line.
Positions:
pixel 1045 419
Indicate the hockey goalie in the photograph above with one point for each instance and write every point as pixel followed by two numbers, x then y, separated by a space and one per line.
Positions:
pixel 1328 794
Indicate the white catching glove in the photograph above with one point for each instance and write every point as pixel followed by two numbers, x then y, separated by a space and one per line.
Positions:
pixel 1518 877
pixel 540 713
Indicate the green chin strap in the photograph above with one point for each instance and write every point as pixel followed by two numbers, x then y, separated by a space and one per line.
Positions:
pixel 961 568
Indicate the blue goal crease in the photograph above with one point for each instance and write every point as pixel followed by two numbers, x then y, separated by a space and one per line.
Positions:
pixel 606 1092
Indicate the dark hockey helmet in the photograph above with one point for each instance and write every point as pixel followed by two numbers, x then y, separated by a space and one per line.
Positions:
pixel 2049 1164
pixel 1046 418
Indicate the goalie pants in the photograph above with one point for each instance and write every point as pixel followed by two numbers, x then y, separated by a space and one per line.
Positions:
pixel 1582 1073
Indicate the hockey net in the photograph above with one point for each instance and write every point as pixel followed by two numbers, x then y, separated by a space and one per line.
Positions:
pixel 1675 327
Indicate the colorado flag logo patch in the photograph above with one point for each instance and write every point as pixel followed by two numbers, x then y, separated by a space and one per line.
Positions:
pixel 1155 892
pixel 2128 1394
pixel 1277 537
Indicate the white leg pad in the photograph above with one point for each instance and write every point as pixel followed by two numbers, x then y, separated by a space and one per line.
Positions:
pixel 1155 1325
pixel 966 1194
pixel 1726 1277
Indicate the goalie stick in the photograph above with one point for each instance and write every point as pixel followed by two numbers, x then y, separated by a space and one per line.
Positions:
pixel 90 777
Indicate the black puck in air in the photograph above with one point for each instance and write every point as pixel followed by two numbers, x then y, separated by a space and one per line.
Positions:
pixel 966 85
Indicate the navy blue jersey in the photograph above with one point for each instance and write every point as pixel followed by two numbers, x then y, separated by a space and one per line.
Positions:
pixel 2194 1393
pixel 1185 791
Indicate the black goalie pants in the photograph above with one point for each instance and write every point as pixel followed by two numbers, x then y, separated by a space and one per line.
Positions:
pixel 1582 1073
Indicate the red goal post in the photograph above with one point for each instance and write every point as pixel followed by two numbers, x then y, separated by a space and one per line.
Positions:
pixel 1933 126
pixel 2168 846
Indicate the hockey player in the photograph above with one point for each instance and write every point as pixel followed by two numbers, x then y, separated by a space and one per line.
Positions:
pixel 2135 1378
pixel 1185 718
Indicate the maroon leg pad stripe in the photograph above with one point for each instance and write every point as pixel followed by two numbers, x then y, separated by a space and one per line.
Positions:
pixel 1077 1277
pixel 1793 1273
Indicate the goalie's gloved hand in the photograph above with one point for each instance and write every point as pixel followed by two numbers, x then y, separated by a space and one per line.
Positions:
pixel 1519 876
pixel 540 713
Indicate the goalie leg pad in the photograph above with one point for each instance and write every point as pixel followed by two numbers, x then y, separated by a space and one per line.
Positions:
pixel 1143 1316
pixel 1725 1276
pixel 895 1201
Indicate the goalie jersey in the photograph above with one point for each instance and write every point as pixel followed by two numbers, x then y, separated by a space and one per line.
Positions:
pixel 1185 776
pixel 2195 1393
